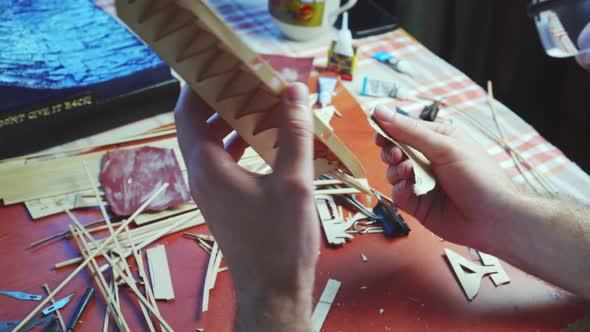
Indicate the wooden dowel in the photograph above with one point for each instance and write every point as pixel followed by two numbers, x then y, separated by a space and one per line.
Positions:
pixel 130 281
pixel 60 318
pixel 86 261
pixel 101 283
pixel 67 233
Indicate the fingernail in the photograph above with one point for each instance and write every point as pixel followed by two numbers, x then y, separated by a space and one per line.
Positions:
pixel 383 115
pixel 297 93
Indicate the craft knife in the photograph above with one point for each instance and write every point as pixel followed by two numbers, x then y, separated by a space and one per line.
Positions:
pixel 57 305
pixel 21 295
pixel 9 325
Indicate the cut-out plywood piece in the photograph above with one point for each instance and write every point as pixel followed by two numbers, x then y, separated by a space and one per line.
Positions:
pixel 210 68
pixel 424 180
pixel 332 223
pixel 469 273
pixel 500 277
pixel 160 273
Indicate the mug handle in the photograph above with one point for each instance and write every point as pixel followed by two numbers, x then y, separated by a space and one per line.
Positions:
pixel 334 16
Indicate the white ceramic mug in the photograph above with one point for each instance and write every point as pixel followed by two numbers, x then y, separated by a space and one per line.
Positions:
pixel 306 19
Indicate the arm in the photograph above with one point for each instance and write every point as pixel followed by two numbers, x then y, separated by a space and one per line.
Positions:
pixel 477 205
pixel 266 226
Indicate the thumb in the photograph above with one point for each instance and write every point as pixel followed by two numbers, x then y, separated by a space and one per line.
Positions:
pixel 295 155
pixel 412 132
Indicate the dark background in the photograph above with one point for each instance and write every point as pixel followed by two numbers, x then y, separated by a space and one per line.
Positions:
pixel 496 40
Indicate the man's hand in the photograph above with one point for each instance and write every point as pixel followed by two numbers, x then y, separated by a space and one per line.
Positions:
pixel 476 204
pixel 472 191
pixel 266 226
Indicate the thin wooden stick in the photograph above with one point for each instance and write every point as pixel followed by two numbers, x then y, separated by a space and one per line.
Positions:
pixel 87 260
pixel 100 281
pixel 510 151
pixel 107 311
pixel 139 262
pixel 60 318
pixel 147 239
pixel 130 281
pixel 495 138
pixel 66 233
pixel 95 145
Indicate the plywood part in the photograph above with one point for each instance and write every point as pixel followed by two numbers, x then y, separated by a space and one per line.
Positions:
pixel 233 79
pixel 331 219
pixel 500 277
pixel 424 180
pixel 160 273
pixel 471 281
pixel 324 304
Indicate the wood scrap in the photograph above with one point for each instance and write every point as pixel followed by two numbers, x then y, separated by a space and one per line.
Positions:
pixel 100 282
pixel 211 276
pixel 332 223
pixel 147 234
pixel 130 281
pixel 470 282
pixel 60 318
pixel 324 304
pixel 85 262
pixel 148 217
pixel 336 191
pixel 160 273
pixel 67 234
pixel 424 180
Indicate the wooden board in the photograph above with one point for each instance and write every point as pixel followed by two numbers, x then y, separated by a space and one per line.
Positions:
pixel 234 80
pixel 160 273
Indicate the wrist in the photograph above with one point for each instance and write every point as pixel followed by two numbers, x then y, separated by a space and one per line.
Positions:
pixel 510 228
pixel 276 305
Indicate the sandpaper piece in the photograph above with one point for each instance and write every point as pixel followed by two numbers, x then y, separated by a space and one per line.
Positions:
pixel 130 176
pixel 290 68
pixel 424 180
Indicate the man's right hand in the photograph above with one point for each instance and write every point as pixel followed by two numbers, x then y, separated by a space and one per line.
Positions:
pixel 476 204
pixel 472 191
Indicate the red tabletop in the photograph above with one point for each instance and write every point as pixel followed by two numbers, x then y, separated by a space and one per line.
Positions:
pixel 406 284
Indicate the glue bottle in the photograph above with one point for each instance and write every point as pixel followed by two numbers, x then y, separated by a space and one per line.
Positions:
pixel 344 42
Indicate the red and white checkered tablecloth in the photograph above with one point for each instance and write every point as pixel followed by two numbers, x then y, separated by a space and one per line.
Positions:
pixel 433 77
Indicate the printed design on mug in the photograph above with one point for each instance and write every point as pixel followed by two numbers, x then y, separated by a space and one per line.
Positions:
pixel 306 13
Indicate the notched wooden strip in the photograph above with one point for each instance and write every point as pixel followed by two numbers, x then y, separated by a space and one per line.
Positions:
pixel 261 101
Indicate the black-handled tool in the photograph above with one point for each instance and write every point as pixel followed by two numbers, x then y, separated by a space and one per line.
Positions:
pixel 392 222
pixel 82 305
